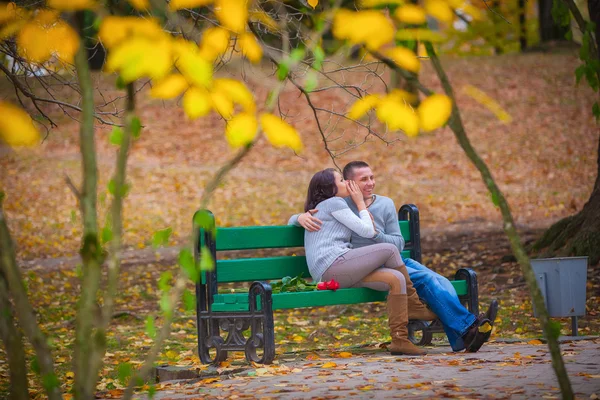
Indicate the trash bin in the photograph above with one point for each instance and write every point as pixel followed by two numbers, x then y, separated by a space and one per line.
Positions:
pixel 562 282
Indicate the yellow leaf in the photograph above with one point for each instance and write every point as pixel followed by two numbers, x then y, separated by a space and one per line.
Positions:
pixel 345 354
pixel 9 12
pixel 485 328
pixel 263 18
pixel 114 30
pixel 215 41
pixel 196 102
pixel 169 87
pixel 141 5
pixel 71 5
pixel 329 365
pixel 47 35
pixel 405 58
pixel 250 47
pixel 403 96
pixel 232 14
pixel 535 342
pixel 241 130
pixel 236 91
pixel 175 5
pixel 411 14
pixel 362 106
pixel 279 133
pixel 190 63
pixel 439 9
pixel 141 56
pixel 313 3
pixel 370 27
pixel 70 375
pixel 16 126
pixel 489 103
pixel 434 111
pixel 398 115
pixel 171 354
pixel 11 28
pixel 222 103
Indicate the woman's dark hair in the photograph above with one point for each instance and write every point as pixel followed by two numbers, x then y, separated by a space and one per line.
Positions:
pixel 322 186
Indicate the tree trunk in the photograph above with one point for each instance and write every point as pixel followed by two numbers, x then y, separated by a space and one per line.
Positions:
pixel 522 25
pixel 549 29
pixel 13 345
pixel 498 37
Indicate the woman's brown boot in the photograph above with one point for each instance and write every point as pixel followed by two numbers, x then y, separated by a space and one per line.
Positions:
pixel 416 309
pixel 398 321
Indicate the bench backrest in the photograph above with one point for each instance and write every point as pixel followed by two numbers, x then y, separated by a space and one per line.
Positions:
pixel 270 237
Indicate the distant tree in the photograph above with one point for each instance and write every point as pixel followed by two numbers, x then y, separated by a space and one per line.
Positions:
pixel 550 28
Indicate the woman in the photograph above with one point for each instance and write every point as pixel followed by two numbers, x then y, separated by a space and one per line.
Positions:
pixel 330 256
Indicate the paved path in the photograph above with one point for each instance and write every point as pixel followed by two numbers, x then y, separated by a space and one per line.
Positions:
pixel 505 371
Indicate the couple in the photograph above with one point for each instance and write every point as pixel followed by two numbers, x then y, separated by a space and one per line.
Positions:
pixel 352 236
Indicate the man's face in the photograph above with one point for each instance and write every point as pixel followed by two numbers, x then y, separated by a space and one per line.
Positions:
pixel 365 179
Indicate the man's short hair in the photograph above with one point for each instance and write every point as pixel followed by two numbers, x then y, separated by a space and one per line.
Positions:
pixel 349 168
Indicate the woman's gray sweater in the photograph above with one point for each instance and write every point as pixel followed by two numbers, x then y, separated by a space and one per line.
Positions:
pixel 333 239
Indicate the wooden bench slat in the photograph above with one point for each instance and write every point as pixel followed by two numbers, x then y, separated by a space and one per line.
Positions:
pixel 264 269
pixel 264 237
pixel 228 302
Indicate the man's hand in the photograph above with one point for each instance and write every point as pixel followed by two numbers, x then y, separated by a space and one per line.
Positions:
pixel 308 222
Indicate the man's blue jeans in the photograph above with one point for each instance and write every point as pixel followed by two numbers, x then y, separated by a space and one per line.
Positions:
pixel 440 296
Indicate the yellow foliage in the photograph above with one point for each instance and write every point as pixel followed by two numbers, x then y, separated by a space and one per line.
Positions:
pixel 169 87
pixel 241 129
pixel 411 14
pixel 405 58
pixel 329 364
pixel 16 126
pixel 419 34
pixel 215 41
pixel 114 30
pixel 141 56
pixel 46 35
pixel 489 103
pixel 402 96
pixel 236 91
pixel 196 102
pixel 175 5
pixel 232 14
pixel 398 115
pixel 11 28
pixel 279 133
pixel 434 111
pixel 362 106
pixel 263 18
pixel 379 3
pixel 370 27
pixel 140 5
pixel 190 63
pixel 439 9
pixel 313 3
pixel 71 5
pixel 9 12
pixel 222 103
pixel 250 47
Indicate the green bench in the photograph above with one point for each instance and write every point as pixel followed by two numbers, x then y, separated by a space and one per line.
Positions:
pixel 246 319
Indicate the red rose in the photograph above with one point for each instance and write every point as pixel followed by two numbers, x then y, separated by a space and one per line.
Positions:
pixel 321 286
pixel 333 285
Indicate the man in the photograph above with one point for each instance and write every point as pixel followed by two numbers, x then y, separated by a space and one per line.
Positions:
pixel 463 329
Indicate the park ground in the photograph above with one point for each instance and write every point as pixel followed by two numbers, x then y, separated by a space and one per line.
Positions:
pixel 544 161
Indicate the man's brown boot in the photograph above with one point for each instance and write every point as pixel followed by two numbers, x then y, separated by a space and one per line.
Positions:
pixel 416 309
pixel 398 321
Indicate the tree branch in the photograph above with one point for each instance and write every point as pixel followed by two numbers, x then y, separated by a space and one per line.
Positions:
pixel 457 127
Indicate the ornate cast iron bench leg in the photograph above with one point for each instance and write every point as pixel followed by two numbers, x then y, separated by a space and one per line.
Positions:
pixel 262 329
